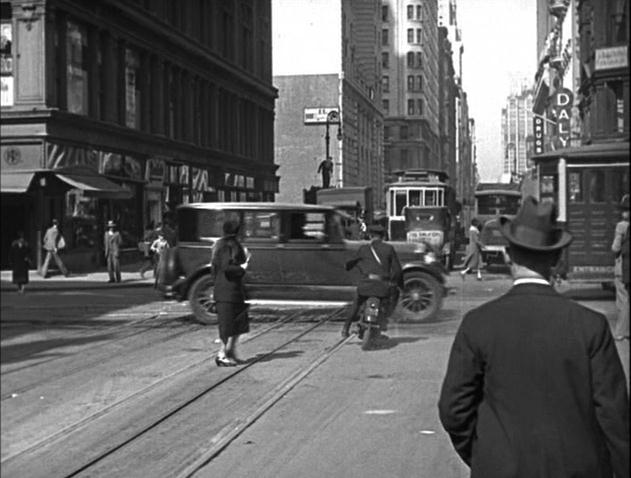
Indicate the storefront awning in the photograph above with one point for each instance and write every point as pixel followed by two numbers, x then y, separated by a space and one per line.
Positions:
pixel 617 149
pixel 92 184
pixel 16 181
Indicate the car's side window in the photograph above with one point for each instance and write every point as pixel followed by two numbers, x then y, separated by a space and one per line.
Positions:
pixel 261 225
pixel 335 228
pixel 307 226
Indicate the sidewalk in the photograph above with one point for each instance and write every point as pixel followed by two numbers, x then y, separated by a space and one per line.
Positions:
pixel 130 277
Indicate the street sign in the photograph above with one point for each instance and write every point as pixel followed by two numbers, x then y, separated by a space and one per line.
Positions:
pixel 320 115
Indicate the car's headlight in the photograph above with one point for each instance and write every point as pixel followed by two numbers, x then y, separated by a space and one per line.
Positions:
pixel 429 257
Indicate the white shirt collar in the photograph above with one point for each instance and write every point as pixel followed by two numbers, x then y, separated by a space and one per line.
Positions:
pixel 530 280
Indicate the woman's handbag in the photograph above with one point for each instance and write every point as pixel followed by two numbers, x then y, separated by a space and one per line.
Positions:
pixel 61 243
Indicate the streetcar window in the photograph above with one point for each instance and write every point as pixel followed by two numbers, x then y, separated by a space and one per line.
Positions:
pixel 415 198
pixel 597 186
pixel 400 201
pixel 575 187
pixel 431 198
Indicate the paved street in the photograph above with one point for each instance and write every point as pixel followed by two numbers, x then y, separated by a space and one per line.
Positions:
pixel 88 367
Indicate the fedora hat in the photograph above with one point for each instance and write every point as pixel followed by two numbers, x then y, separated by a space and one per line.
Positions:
pixel 534 227
pixel 111 224
pixel 231 227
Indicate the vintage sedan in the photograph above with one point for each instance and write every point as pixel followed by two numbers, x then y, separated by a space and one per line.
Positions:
pixel 298 253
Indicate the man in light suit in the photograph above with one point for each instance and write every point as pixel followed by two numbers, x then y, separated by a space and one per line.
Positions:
pixel 112 242
pixel 534 385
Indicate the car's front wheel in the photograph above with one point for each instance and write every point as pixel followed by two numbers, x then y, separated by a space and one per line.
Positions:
pixel 200 298
pixel 422 296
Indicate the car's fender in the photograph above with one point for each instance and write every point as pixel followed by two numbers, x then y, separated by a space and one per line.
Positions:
pixel 435 269
pixel 183 286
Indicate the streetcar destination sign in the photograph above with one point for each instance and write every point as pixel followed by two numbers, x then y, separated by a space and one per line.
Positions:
pixel 321 116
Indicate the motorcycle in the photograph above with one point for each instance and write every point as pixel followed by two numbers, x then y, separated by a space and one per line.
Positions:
pixel 370 321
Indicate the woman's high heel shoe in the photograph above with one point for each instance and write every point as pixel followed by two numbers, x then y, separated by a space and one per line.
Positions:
pixel 225 362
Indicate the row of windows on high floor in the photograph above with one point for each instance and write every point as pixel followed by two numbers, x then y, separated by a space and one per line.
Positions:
pixel 415 107
pixel 214 24
pixel 414 83
pixel 414 59
pixel 411 10
pixel 385 36
pixel 109 79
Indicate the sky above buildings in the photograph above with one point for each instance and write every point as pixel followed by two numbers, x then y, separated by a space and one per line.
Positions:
pixel 500 43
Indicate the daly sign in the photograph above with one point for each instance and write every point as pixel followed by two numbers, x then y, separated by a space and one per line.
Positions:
pixel 562 104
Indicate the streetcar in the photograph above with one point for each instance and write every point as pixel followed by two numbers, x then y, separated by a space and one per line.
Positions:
pixel 421 207
pixel 496 199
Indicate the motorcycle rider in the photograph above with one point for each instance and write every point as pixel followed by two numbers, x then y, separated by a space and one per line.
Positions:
pixel 381 275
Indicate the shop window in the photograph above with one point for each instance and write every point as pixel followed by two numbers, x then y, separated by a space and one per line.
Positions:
pixel 77 68
pixel 6 60
pixel 575 187
pixel 620 184
pixel 80 224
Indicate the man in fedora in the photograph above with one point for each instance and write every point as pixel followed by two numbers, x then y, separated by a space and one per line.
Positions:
pixel 534 385
pixel 380 268
pixel 112 242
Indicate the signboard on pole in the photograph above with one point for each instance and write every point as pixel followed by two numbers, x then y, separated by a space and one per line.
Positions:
pixel 321 116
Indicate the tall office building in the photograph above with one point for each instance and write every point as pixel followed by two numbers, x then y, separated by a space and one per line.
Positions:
pixel 517 129
pixel 123 110
pixel 410 84
pixel 324 57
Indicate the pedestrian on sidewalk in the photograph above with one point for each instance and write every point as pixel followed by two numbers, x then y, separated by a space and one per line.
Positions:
pixel 618 247
pixel 473 259
pixel 229 262
pixel 54 242
pixel 149 258
pixel 20 261
pixel 159 247
pixel 112 242
pixel 534 384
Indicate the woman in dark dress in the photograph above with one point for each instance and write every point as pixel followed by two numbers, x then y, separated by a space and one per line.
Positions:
pixel 19 258
pixel 229 262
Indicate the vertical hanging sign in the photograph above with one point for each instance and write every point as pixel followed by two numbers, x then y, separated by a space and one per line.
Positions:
pixel 562 104
pixel 538 133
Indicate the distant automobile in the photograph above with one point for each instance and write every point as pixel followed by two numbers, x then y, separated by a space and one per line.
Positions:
pixel 298 253
pixel 494 245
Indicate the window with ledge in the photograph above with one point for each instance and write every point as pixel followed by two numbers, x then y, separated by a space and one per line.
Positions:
pixel 410 83
pixel 77 68
pixel 410 107
pixel 410 35
pixel 403 132
pixel 385 84
pixel 384 37
pixel 385 60
pixel 419 15
pixel 410 12
pixel 6 56
pixel 420 106
pixel 419 36
pixel 419 59
pixel 419 81
pixel 410 59
pixel 384 13
pixel 386 106
pixel 132 89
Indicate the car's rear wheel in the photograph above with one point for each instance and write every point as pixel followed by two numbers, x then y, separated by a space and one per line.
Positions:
pixel 200 297
pixel 421 297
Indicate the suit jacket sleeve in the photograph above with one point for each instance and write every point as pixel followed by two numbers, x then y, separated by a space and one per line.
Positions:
pixel 610 397
pixel 461 393
pixel 106 244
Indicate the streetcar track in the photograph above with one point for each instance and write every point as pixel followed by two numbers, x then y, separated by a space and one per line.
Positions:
pixel 219 442
pixel 109 330
pixel 84 422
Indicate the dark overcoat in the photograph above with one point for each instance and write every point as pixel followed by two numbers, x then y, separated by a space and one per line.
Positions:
pixel 228 254
pixel 19 258
pixel 535 388
pixel 389 269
